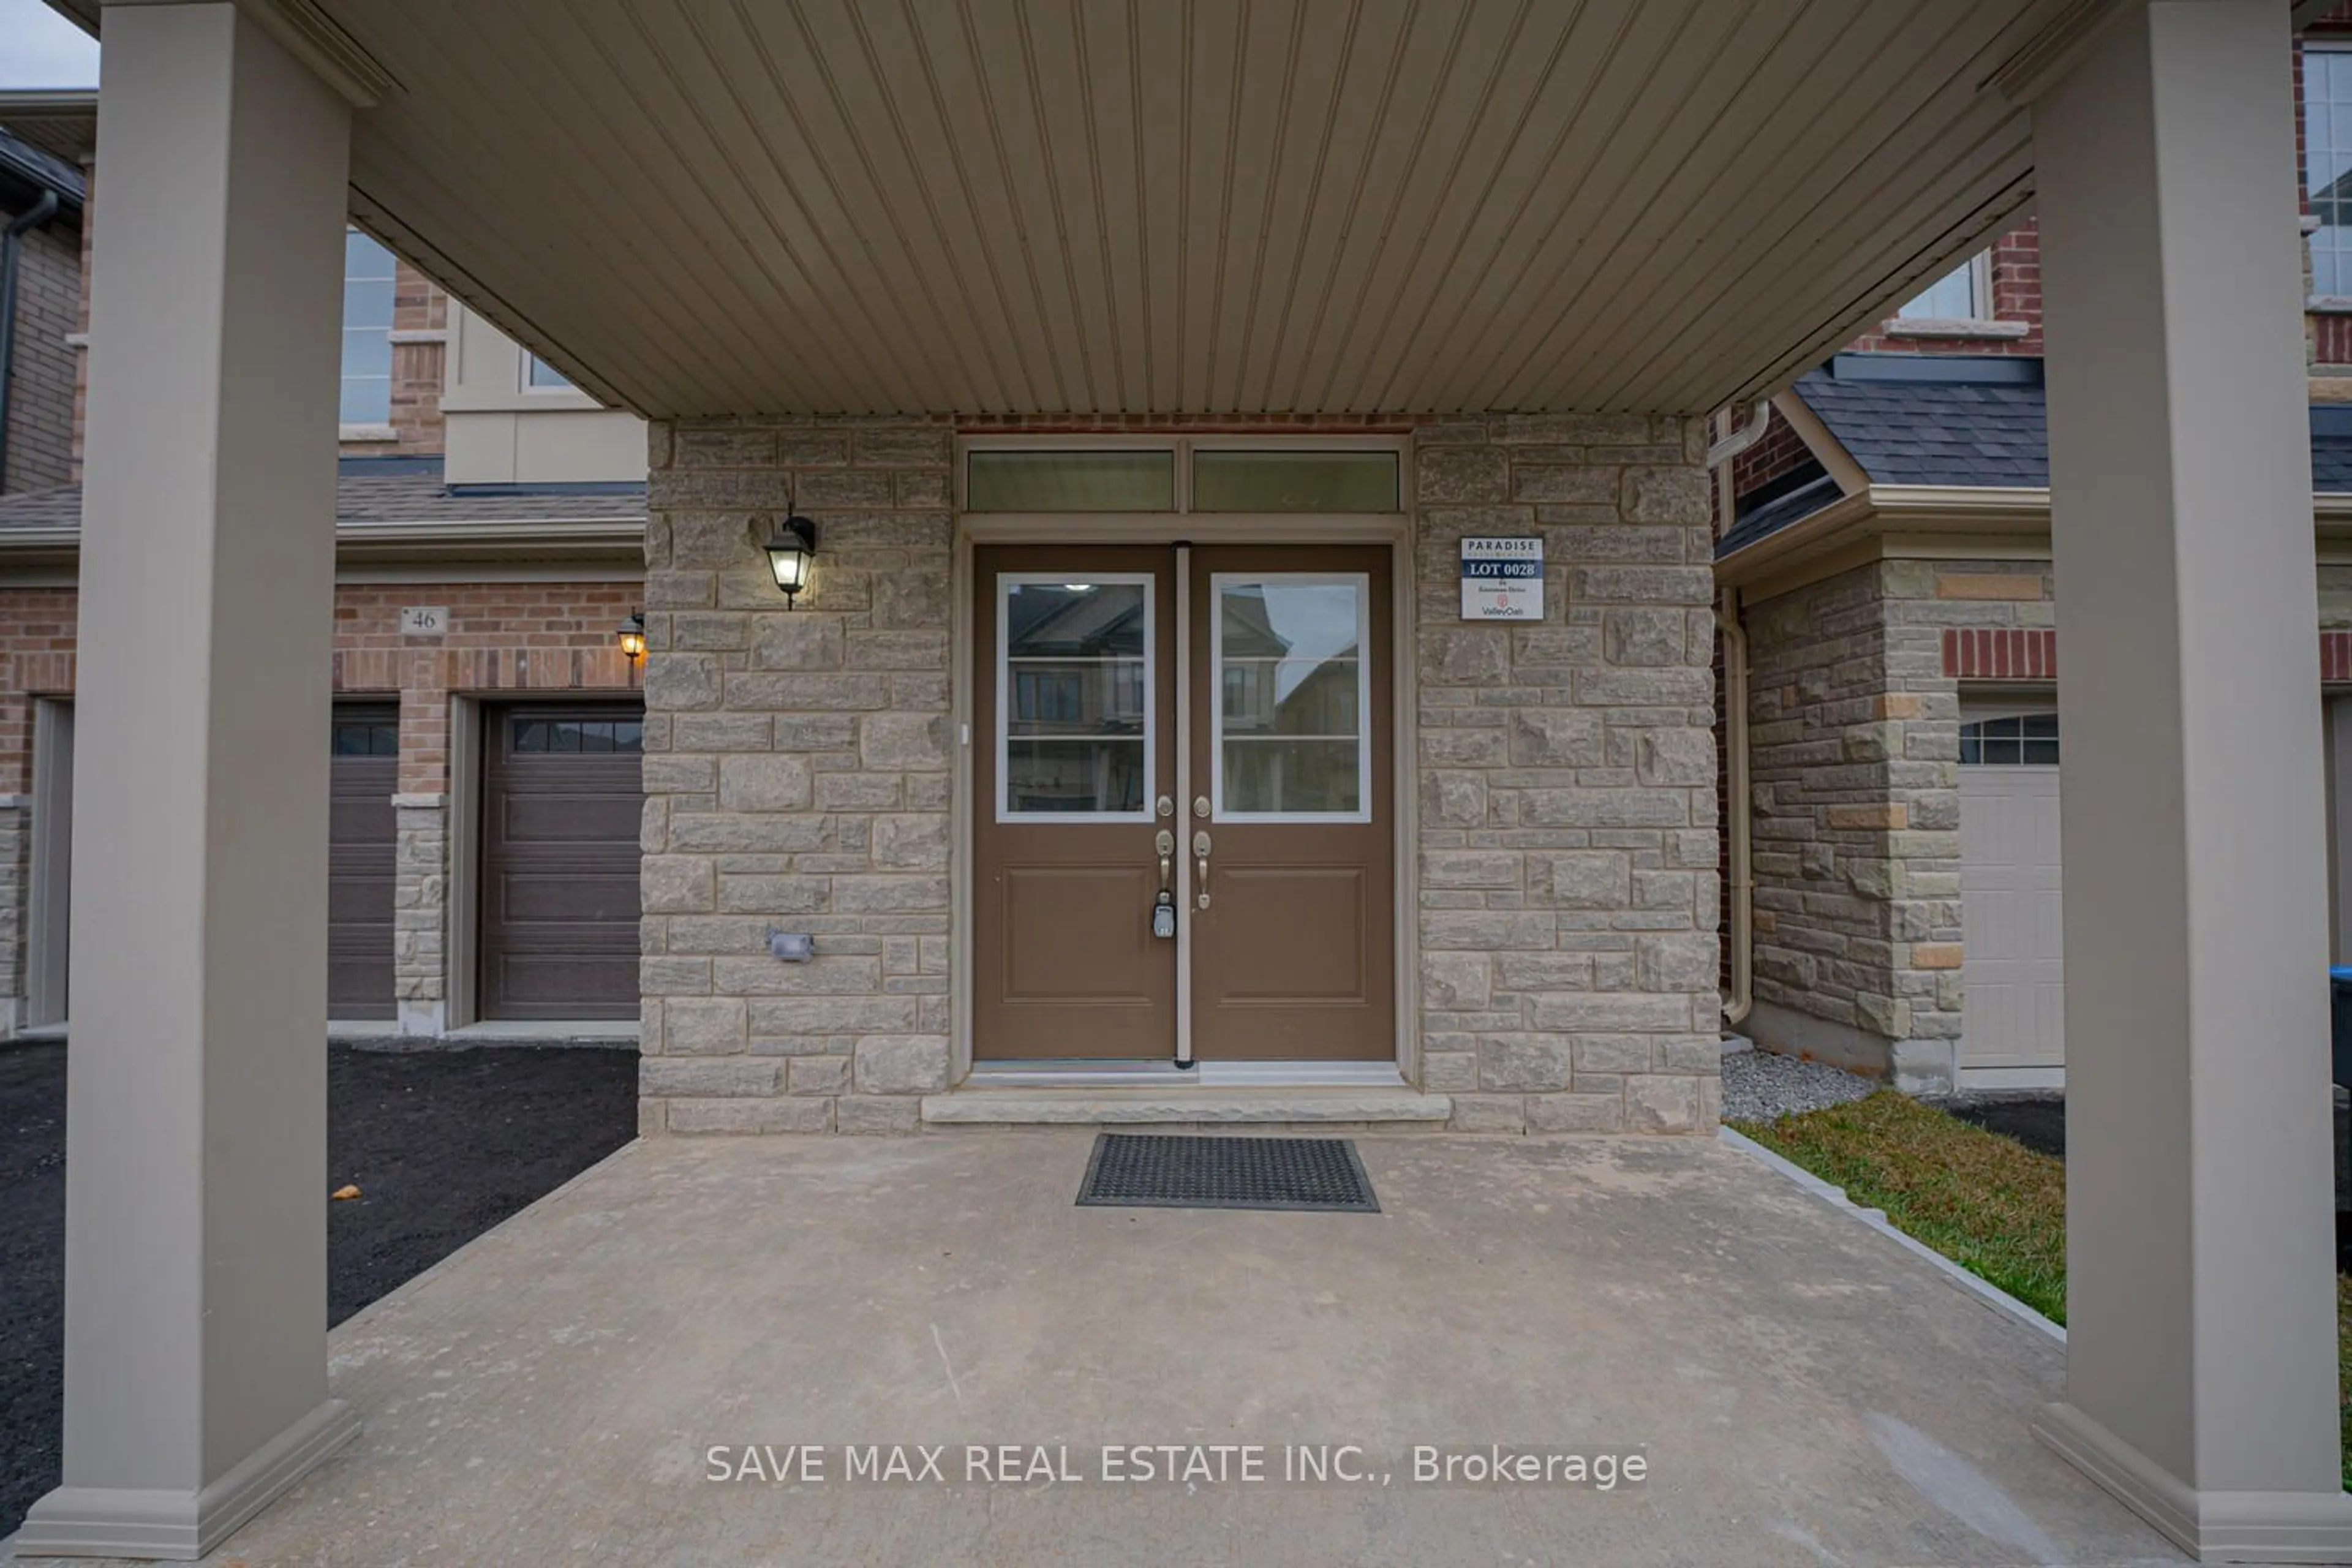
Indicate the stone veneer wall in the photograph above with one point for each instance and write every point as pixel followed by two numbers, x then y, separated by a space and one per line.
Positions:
pixel 797 777
pixel 1855 770
pixel 1568 848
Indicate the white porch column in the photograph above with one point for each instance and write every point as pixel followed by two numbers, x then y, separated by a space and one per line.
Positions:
pixel 196 1129
pixel 2200 1376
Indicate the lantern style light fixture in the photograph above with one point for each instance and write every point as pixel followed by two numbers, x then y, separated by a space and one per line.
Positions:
pixel 632 635
pixel 791 545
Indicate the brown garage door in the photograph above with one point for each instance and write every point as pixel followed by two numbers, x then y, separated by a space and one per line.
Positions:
pixel 361 833
pixel 561 801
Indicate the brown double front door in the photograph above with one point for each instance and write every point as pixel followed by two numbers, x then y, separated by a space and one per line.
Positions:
pixel 1183 814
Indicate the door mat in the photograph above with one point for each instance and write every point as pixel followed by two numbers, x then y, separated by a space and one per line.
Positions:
pixel 1137 1170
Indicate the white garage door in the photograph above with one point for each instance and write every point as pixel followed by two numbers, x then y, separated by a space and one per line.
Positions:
pixel 2013 1014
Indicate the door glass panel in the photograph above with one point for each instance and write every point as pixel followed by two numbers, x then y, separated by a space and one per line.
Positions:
pixel 1292 692
pixel 1070 481
pixel 1294 482
pixel 1074 698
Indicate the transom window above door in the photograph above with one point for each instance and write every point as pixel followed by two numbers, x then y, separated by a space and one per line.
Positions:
pixel 1185 476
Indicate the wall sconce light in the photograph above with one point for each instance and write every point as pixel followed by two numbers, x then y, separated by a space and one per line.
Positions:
pixel 631 636
pixel 791 545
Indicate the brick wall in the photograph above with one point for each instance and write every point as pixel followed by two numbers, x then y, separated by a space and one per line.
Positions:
pixel 1781 450
pixel 36 628
pixel 1567 797
pixel 41 364
pixel 81 318
pixel 2016 265
pixel 503 637
pixel 420 325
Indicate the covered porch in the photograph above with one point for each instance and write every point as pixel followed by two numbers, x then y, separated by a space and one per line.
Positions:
pixel 635 1368
pixel 1532 249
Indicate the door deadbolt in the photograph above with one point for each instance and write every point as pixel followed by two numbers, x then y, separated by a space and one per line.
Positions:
pixel 1200 805
pixel 1167 807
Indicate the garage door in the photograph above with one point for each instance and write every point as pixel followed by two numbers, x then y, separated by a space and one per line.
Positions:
pixel 364 770
pixel 361 838
pixel 2013 1013
pixel 561 801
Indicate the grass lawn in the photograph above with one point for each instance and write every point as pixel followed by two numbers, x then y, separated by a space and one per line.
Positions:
pixel 1988 1203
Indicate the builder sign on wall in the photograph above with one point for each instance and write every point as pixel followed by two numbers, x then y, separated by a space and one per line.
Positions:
pixel 1502 579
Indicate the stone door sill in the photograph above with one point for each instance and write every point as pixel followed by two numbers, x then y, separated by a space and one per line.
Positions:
pixel 1083 1106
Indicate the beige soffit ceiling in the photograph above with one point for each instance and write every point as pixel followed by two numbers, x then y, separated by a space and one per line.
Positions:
pixel 715 207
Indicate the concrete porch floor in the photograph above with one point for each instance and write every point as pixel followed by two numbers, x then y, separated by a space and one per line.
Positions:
pixel 1804 1390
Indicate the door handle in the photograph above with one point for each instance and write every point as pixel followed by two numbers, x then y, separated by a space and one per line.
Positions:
pixel 1167 845
pixel 1201 851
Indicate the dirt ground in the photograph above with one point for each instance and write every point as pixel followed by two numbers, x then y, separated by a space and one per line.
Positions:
pixel 2038 1121
pixel 442 1145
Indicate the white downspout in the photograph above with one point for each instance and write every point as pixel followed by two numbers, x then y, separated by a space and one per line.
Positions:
pixel 1740 440
pixel 1736 808
pixel 1737 805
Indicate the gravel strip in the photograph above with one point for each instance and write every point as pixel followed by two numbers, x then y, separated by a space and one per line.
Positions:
pixel 1760 1085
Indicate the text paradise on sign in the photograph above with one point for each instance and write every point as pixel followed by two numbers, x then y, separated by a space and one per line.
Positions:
pixel 1502 579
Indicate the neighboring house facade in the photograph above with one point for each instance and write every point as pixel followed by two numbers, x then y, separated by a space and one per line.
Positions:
pixel 486 728
pixel 1895 881
pixel 42 196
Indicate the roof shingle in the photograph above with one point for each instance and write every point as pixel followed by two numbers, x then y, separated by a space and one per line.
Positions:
pixel 1963 421
pixel 380 491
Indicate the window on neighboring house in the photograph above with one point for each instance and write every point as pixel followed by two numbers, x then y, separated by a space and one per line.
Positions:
pixel 2327 163
pixel 368 269
pixel 2025 740
pixel 1050 697
pixel 1963 294
pixel 539 374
